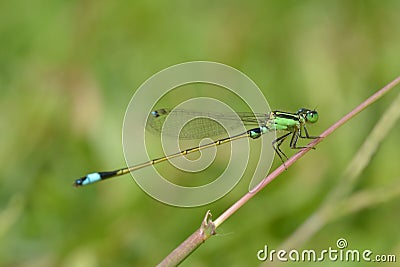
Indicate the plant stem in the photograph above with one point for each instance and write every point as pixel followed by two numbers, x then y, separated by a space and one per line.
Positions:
pixel 198 237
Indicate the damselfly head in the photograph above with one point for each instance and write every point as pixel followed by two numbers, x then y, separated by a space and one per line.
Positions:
pixel 309 115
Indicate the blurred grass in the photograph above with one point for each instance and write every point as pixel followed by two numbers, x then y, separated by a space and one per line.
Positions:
pixel 69 68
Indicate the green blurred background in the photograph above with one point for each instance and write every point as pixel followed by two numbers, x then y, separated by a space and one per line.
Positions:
pixel 69 68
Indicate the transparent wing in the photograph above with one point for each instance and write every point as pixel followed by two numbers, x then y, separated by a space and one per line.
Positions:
pixel 199 125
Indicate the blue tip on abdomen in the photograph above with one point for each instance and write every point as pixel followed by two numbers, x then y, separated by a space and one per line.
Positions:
pixel 91 178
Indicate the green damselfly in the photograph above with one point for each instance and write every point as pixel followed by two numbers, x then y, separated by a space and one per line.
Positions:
pixel 293 123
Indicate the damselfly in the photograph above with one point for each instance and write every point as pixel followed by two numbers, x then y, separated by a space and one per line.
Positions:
pixel 294 124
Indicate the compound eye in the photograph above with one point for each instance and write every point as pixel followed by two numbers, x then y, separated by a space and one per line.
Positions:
pixel 312 116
